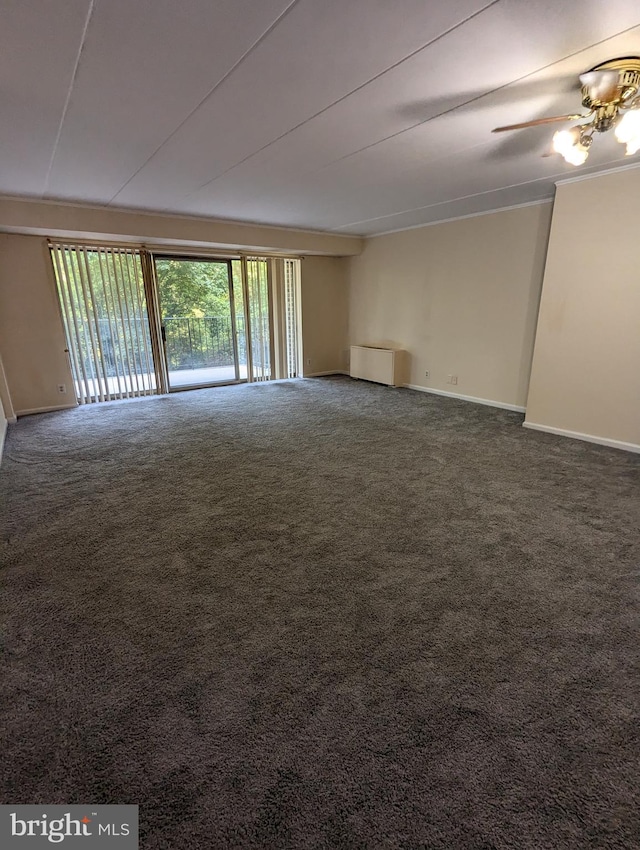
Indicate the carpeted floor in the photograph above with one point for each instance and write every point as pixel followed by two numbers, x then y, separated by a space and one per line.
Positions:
pixel 322 614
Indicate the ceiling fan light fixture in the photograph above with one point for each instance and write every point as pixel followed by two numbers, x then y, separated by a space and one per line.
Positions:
pixel 611 93
pixel 627 131
pixel 564 140
pixel 577 155
pixel 573 144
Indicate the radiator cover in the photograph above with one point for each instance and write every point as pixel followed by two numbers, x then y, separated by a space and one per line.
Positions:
pixel 382 365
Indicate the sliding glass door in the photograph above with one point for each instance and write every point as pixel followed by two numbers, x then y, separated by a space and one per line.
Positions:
pixel 104 309
pixel 139 323
pixel 203 323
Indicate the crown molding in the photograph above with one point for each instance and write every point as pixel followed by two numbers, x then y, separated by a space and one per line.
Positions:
pixel 460 217
pixel 592 175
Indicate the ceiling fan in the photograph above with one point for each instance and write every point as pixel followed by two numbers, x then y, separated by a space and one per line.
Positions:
pixel 611 93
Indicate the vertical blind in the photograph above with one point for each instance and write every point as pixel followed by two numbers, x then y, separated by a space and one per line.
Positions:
pixel 109 303
pixel 292 306
pixel 257 300
pixel 102 296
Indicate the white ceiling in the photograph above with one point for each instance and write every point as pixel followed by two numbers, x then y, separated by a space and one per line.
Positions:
pixel 355 116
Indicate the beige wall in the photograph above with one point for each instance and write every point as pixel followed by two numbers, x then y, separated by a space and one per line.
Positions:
pixel 107 224
pixel 31 333
pixel 586 369
pixel 32 342
pixel 324 291
pixel 461 297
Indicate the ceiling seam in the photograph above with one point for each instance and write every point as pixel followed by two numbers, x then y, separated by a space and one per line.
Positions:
pixel 225 76
pixel 548 177
pixel 345 96
pixel 418 123
pixel 68 97
pixel 445 157
pixel 478 97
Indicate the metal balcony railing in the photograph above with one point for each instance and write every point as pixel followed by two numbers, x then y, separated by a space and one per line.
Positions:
pixel 191 343
pixel 200 343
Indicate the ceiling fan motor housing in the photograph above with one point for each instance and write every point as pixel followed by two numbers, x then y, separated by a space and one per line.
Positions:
pixel 613 89
pixel 605 117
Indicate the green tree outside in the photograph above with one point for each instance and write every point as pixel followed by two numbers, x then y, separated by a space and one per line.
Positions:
pixel 195 306
pixel 193 288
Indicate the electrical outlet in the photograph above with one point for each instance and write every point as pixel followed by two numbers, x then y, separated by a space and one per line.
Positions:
pixel 426 374
pixel 454 379
pixel 62 388
pixel 308 361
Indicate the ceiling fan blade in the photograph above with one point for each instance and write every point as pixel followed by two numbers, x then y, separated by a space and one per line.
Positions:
pixel 539 121
pixel 603 86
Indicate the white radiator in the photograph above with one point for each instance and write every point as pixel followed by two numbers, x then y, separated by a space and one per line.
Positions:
pixel 381 365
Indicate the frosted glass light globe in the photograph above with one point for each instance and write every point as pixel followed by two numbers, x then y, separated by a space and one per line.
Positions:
pixel 628 131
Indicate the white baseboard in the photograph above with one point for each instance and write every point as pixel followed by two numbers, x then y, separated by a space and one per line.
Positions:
pixel 486 401
pixel 324 374
pixel 587 438
pixel 45 409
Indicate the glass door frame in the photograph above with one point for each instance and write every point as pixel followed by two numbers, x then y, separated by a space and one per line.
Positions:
pixel 199 258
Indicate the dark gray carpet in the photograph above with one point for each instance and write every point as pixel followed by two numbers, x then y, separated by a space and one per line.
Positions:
pixel 322 614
